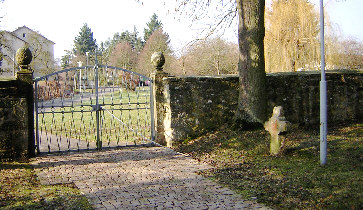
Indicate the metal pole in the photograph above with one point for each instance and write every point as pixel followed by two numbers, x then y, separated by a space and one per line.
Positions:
pixel 99 142
pixel 152 111
pixel 80 76
pixel 86 81
pixel 323 93
pixel 36 117
pixel 80 81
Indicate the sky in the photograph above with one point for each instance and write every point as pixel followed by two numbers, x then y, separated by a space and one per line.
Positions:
pixel 61 20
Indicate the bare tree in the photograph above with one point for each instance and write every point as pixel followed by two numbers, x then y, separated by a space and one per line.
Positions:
pixel 7 53
pixel 123 56
pixel 348 54
pixel 211 16
pixel 210 57
pixel 43 62
pixel 4 47
pixel 158 41
pixel 251 31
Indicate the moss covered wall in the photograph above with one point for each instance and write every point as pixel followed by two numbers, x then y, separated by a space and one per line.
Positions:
pixel 16 121
pixel 199 104
pixel 299 95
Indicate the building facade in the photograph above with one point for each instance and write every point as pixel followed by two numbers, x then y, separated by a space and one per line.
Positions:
pixel 41 47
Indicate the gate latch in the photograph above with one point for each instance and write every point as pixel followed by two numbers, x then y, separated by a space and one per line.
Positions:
pixel 97 107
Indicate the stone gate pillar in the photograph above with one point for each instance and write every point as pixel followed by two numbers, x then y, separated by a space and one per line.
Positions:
pixel 25 86
pixel 160 99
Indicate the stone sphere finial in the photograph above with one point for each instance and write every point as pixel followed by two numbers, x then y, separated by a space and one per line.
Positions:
pixel 158 60
pixel 23 57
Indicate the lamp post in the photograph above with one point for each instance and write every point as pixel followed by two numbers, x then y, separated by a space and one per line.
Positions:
pixel 323 93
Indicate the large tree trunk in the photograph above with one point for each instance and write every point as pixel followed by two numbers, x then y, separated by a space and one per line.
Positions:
pixel 252 95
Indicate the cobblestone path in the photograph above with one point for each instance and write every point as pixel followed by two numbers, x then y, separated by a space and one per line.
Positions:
pixel 138 178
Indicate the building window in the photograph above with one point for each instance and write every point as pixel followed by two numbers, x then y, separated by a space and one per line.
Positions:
pixel 24 35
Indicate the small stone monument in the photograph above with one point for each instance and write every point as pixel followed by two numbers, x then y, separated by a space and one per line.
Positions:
pixel 276 125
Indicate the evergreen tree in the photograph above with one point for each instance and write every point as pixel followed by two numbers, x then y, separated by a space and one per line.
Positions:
pixel 136 42
pixel 65 61
pixel 132 38
pixel 152 26
pixel 101 52
pixel 84 42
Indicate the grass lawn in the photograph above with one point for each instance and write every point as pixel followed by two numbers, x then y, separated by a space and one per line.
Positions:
pixel 78 122
pixel 19 189
pixel 293 180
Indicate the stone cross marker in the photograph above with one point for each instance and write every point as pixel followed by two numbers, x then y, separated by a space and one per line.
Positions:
pixel 275 125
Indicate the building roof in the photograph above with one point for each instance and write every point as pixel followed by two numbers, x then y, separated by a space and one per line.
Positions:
pixel 34 32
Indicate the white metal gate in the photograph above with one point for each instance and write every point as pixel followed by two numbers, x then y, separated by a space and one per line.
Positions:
pixel 93 107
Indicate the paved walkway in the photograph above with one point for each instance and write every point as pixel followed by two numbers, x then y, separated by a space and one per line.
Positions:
pixel 139 178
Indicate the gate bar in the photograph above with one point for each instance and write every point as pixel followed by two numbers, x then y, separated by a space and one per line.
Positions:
pixel 152 111
pixel 99 142
pixel 36 116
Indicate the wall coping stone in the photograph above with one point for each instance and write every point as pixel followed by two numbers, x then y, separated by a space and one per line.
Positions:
pixel 7 78
pixel 306 73
pixel 176 78
pixel 233 76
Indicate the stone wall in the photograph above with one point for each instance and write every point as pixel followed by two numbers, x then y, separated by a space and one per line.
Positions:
pixel 199 104
pixel 193 105
pixel 299 95
pixel 16 119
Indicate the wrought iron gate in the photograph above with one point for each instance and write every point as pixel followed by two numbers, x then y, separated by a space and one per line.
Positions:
pixel 92 107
